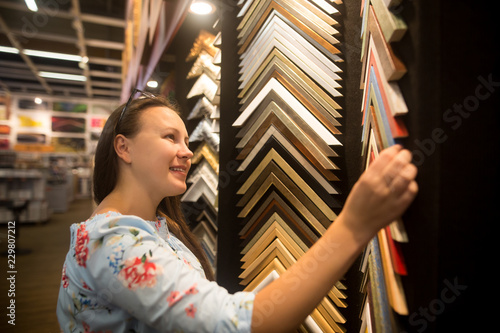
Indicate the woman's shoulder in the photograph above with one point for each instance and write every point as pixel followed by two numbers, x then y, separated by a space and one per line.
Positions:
pixel 102 221
pixel 105 214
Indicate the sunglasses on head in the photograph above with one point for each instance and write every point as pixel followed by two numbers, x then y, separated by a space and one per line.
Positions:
pixel 143 94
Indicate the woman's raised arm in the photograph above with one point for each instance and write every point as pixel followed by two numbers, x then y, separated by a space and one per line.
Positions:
pixel 381 195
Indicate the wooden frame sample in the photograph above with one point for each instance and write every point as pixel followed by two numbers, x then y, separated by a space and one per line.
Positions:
pixel 273 131
pixel 299 165
pixel 322 43
pixel 395 99
pixel 291 100
pixel 276 59
pixel 204 86
pixel 273 157
pixel 203 132
pixel 201 187
pixel 275 203
pixel 288 124
pixel 278 32
pixel 300 92
pixel 298 54
pixel 300 10
pixel 274 105
pixel 203 169
pixel 204 151
pixel 393 68
pixel 392 25
pixel 283 184
pixel 202 108
pixel 204 63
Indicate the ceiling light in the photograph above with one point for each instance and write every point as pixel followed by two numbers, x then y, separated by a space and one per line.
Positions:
pixel 202 7
pixel 152 84
pixel 62 76
pixel 44 54
pixel 53 55
pixel 38 100
pixel 8 49
pixel 31 4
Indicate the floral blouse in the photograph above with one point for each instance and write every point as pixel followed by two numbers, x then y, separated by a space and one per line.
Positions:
pixel 125 274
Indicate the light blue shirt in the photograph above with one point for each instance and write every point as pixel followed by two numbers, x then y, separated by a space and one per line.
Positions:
pixel 125 274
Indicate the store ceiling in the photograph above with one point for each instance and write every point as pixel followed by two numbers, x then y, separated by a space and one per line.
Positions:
pixel 92 28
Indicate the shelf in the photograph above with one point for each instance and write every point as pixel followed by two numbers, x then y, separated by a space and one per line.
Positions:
pixel 20 173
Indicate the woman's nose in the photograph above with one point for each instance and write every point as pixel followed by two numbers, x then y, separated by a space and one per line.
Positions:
pixel 185 152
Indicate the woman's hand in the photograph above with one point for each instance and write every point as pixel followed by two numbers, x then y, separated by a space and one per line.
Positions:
pixel 382 193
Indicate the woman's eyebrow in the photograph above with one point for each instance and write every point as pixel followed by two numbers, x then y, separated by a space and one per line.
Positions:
pixel 177 131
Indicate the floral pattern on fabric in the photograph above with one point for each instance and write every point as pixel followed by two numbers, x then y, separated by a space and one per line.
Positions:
pixel 81 249
pixel 174 297
pixel 125 274
pixel 139 273
pixel 87 329
pixel 191 310
pixel 64 278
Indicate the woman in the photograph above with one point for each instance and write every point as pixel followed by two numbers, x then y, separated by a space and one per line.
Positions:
pixel 134 266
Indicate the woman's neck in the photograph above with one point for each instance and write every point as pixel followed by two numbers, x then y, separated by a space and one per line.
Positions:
pixel 128 204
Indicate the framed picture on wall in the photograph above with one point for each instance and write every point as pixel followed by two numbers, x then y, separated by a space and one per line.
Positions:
pixel 68 145
pixel 68 124
pixel 5 129
pixel 64 106
pixel 31 104
pixel 31 138
pixel 4 144
pixel 4 107
pixel 33 121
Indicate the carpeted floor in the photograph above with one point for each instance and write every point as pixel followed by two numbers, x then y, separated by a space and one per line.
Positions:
pixel 38 272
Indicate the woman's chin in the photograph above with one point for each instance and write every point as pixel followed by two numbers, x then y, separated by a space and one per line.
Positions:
pixel 177 191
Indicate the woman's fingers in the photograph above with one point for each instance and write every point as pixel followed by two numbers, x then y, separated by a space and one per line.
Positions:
pixel 378 166
pixel 396 176
pixel 384 191
pixel 401 179
pixel 395 166
pixel 399 175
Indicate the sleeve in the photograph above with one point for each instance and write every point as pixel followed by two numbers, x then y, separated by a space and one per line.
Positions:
pixel 139 273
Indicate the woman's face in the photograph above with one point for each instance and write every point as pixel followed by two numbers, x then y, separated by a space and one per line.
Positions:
pixel 160 157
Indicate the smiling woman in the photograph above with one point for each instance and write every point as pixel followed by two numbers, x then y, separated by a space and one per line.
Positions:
pixel 155 161
pixel 134 265
pixel 145 124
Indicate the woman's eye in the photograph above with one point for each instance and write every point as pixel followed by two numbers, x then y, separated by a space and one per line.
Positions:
pixel 170 137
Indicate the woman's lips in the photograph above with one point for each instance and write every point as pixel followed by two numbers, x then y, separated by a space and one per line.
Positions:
pixel 180 169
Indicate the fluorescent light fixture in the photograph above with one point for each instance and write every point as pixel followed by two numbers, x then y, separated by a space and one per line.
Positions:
pixel 31 4
pixel 202 7
pixel 62 76
pixel 152 84
pixel 53 55
pixel 43 54
pixel 8 49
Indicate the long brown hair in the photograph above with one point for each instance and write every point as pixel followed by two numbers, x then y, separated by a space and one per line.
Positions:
pixel 106 172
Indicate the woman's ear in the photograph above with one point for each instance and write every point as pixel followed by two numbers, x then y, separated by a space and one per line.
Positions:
pixel 122 148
